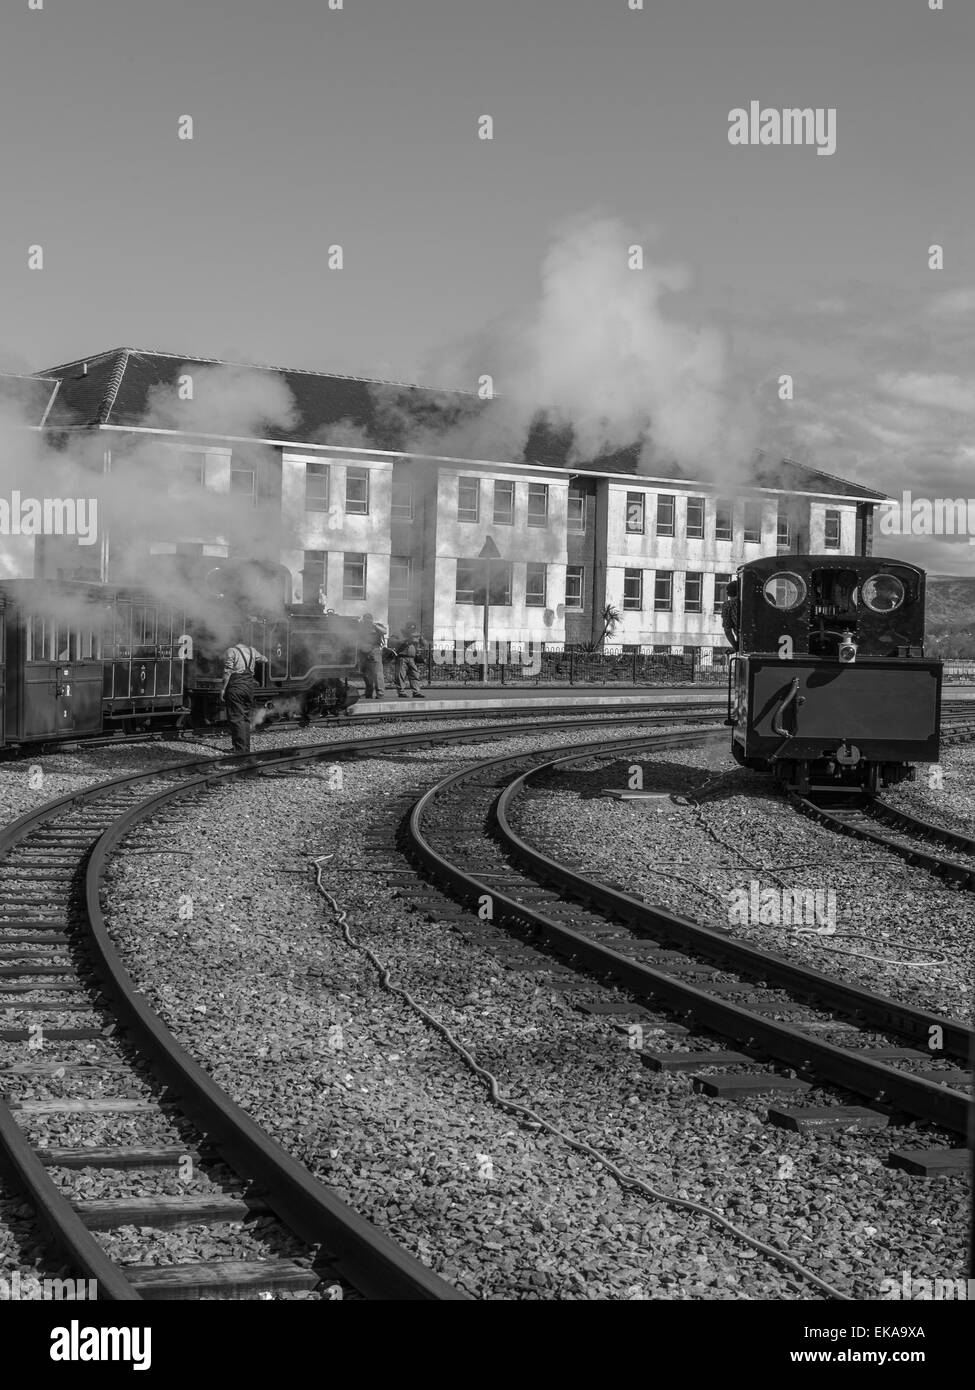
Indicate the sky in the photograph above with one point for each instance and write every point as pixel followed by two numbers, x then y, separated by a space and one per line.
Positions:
pixel 358 127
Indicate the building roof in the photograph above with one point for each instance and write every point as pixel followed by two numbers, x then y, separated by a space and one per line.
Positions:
pixel 114 388
pixel 28 397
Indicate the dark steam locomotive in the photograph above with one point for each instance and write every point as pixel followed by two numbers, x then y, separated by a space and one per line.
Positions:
pixel 830 685
pixel 80 659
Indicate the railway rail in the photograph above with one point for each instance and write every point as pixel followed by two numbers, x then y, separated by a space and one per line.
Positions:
pixel 461 831
pixel 57 957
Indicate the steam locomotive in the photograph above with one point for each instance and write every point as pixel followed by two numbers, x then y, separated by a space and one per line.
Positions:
pixel 830 686
pixel 81 659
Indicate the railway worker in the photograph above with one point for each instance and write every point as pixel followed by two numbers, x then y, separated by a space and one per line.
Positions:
pixel 238 691
pixel 371 644
pixel 408 648
pixel 731 615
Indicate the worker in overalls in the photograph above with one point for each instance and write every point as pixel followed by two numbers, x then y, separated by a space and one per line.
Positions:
pixel 238 691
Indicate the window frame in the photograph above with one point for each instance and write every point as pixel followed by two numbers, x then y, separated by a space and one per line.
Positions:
pixel 575 573
pixel 828 514
pixel 237 471
pixel 694 605
pixel 633 603
pixel 752 535
pixel 349 557
pixel 359 476
pixel 396 594
pixel 663 527
pixel 538 567
pixel 309 569
pixel 782 523
pixel 503 484
pixel 535 520
pixel 696 535
pixel 660 605
pixel 576 495
pixel 636 500
pixel 316 469
pixel 722 579
pixel 397 510
pixel 724 505
pixel 476 484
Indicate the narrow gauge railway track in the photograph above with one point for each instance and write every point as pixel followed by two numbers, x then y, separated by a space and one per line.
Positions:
pixel 582 714
pixel 867 817
pixel 460 831
pixel 54 944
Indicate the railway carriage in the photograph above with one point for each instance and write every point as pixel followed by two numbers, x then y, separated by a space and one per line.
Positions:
pixel 830 685
pixel 81 659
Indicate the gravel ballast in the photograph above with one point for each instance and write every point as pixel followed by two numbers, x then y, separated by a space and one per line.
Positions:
pixel 261 987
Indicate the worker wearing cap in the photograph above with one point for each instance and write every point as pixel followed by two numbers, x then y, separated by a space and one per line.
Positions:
pixel 238 690
pixel 371 644
pixel 408 648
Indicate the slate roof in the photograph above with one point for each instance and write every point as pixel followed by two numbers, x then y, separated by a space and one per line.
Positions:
pixel 114 388
pixel 29 396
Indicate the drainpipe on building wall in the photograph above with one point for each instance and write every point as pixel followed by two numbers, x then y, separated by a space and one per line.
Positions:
pixel 103 543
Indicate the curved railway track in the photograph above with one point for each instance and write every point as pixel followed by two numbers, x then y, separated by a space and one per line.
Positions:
pixel 56 956
pixel 460 830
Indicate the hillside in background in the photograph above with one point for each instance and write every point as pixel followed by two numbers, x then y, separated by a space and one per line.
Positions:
pixel 950 623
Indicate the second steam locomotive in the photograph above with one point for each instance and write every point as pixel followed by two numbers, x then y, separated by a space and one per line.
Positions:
pixel 830 685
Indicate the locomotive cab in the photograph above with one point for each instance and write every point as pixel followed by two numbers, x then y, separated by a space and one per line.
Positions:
pixel 830 685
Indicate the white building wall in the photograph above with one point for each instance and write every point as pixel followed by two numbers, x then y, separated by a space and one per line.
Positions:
pixel 518 544
pixel 339 532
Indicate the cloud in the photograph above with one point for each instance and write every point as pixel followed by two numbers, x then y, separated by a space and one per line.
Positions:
pixel 939 390
pixel 953 304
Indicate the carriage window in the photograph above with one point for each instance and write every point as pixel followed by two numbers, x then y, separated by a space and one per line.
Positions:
pixel 882 593
pixel 784 591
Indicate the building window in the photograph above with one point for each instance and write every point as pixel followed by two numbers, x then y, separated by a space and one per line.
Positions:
pixel 354 577
pixel 663 591
pixel 574 575
pixel 753 523
pixel 316 487
pixel 721 582
pixel 192 468
pixel 537 504
pixel 243 483
pixel 470 581
pixel 831 536
pixel 468 500
pixel 400 579
pixel 783 532
pixel 693 592
pixel 636 513
pixel 535 589
pixel 501 583
pixel 633 588
pixel 402 506
pixel 695 518
pixel 504 504
pixel 577 511
pixel 357 491
pixel 665 515
pixel 723 515
pixel 313 576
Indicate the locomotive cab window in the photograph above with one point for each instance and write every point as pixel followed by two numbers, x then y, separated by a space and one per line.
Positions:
pixel 882 593
pixel 785 591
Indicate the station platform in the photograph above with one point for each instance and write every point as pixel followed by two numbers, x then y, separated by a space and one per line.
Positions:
pixel 534 699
